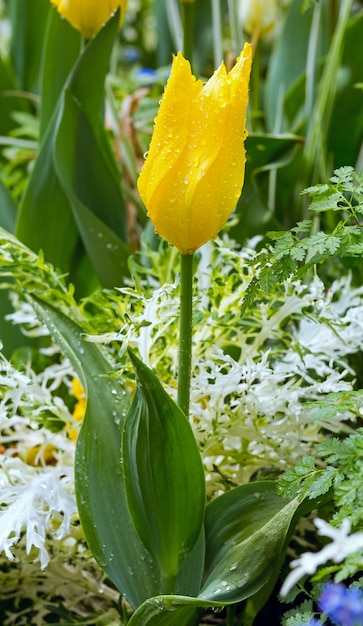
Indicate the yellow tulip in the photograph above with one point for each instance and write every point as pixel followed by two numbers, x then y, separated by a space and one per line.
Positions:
pixel 88 16
pixel 194 172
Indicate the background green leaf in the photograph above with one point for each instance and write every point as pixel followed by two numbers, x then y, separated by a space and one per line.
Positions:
pixel 93 191
pixel 289 59
pixel 8 209
pixel 10 99
pixel 257 210
pixel 46 219
pixel 56 66
pixel 28 20
pixel 346 126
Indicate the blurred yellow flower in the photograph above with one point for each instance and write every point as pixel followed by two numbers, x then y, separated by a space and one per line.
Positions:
pixel 41 455
pixel 194 171
pixel 88 16
pixel 258 16
pixel 79 408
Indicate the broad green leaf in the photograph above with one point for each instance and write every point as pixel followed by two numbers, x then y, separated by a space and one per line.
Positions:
pixel 45 219
pixel 87 79
pixel 246 533
pixel 164 476
pixel 93 191
pixel 28 20
pixel 56 66
pixel 189 579
pixel 100 491
pixel 246 529
pixel 85 165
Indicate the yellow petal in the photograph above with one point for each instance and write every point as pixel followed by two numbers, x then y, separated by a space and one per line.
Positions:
pixel 88 16
pixel 194 171
pixel 41 455
pixel 171 130
pixel 77 389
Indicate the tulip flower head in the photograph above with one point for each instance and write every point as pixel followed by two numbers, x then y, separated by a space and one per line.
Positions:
pixel 88 16
pixel 194 172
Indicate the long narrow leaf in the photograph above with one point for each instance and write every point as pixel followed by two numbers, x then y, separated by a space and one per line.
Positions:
pixel 94 193
pixel 28 20
pixel 45 219
pixel 56 67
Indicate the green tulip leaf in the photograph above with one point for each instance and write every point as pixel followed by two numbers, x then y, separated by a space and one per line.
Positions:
pixel 100 491
pixel 167 611
pixel 246 530
pixel 46 221
pixel 93 191
pixel 28 21
pixel 164 475
pixel 56 67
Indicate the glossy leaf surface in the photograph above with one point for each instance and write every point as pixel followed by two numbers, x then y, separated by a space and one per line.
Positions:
pixel 246 530
pixel 101 497
pixel 246 533
pixel 164 475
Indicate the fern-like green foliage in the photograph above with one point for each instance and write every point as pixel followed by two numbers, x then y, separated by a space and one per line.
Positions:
pixel 339 467
pixel 295 251
pixel 300 615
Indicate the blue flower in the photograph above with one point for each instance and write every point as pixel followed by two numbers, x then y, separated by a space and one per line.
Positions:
pixel 146 76
pixel 343 606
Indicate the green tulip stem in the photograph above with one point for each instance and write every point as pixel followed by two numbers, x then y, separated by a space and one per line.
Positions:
pixel 185 331
pixel 188 30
